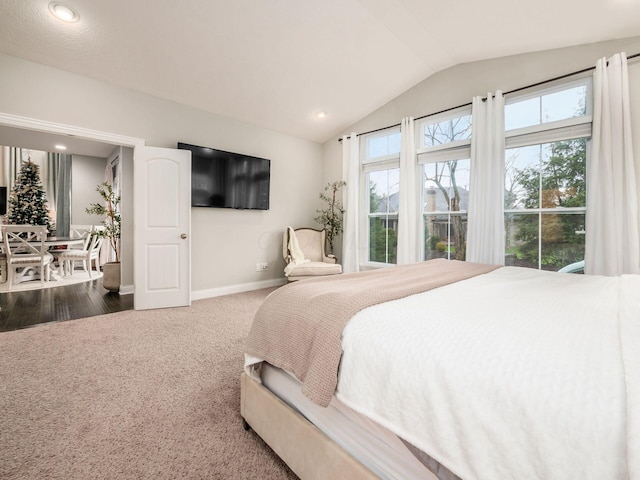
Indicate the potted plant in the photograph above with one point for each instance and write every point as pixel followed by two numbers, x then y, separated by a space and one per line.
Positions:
pixel 331 216
pixel 110 213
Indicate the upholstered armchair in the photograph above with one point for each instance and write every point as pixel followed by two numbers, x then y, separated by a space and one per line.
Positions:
pixel 304 253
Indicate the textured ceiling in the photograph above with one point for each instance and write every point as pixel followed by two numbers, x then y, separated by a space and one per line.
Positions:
pixel 276 63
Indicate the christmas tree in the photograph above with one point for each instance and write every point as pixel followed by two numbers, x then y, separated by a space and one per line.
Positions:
pixel 28 200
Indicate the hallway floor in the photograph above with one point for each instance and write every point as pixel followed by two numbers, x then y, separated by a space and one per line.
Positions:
pixel 28 308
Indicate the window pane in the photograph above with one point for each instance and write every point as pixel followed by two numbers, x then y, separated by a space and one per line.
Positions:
pixel 446 186
pixel 383 239
pixel 521 242
pixel 562 240
pixel 522 177
pixel 450 130
pixel 564 104
pixel 383 145
pixel 564 174
pixel 445 236
pixel 383 219
pixel 383 191
pixel 546 108
pixel 561 245
pixel 522 114
pixel 550 175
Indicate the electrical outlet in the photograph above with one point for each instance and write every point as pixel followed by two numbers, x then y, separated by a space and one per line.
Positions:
pixel 261 267
pixel 258 267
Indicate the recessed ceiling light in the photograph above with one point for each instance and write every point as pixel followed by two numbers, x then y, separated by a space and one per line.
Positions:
pixel 62 12
pixel 61 147
pixel 321 114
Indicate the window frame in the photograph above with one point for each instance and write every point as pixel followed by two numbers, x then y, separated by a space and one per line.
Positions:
pixel 452 151
pixel 572 128
pixel 369 165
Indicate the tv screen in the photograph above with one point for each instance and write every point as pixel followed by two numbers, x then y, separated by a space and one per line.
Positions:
pixel 3 200
pixel 228 180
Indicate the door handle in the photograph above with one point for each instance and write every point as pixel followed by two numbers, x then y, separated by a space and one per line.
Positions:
pixel 183 236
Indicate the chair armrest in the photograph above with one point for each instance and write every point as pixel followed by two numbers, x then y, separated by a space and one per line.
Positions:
pixel 331 258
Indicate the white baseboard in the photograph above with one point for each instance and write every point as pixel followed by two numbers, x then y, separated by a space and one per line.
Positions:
pixel 126 289
pixel 243 287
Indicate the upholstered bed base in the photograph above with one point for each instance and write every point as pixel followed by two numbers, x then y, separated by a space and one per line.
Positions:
pixel 302 446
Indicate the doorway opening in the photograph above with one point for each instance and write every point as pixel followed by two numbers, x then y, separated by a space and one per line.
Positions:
pixel 21 309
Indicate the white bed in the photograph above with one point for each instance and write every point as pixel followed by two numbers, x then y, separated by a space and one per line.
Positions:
pixel 515 373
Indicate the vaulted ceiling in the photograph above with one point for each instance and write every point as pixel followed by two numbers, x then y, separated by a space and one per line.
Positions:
pixel 278 63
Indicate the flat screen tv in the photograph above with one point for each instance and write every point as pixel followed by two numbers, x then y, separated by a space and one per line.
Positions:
pixel 228 180
pixel 3 200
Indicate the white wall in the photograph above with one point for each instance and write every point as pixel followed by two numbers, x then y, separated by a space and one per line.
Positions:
pixel 86 174
pixel 459 84
pixel 226 245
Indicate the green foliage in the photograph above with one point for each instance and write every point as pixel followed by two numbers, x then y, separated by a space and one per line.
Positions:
pixel 28 200
pixel 374 199
pixel 433 241
pixel 111 216
pixel 383 242
pixel 331 217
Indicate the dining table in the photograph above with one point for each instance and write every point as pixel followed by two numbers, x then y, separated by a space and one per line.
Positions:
pixel 59 241
pixel 51 243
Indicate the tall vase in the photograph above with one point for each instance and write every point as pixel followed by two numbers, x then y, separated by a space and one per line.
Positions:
pixel 111 276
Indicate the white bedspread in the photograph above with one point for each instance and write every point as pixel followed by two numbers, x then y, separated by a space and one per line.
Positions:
pixel 513 374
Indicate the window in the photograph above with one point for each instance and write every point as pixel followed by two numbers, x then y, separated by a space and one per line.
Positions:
pixel 545 177
pixel 444 155
pixel 382 176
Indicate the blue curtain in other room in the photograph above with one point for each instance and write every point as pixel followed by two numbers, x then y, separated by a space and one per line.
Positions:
pixel 58 186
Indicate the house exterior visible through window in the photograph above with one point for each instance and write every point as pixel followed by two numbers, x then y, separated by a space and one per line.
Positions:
pixel 443 153
pixel 380 163
pixel 547 136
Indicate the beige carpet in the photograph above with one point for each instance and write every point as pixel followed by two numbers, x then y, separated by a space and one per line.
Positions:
pixel 132 395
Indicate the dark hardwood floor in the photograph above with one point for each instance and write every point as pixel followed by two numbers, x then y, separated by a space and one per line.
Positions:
pixel 33 307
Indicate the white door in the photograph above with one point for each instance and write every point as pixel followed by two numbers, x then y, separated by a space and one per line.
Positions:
pixel 162 221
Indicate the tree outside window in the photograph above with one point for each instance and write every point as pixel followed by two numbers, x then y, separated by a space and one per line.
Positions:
pixel 545 202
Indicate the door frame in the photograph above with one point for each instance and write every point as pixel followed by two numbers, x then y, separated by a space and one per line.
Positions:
pixel 45 126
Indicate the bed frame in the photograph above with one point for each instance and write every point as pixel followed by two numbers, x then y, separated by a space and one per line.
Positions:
pixel 300 444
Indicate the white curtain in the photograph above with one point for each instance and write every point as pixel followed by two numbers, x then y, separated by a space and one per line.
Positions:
pixel 613 176
pixel 485 228
pixel 351 175
pixel 408 221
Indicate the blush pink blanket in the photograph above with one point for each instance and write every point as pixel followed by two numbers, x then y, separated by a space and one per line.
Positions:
pixel 299 326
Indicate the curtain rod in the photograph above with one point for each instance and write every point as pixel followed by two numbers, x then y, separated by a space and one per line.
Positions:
pixel 515 90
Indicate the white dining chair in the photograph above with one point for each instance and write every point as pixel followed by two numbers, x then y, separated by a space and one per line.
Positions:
pixel 24 246
pixel 75 231
pixel 80 231
pixel 90 253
